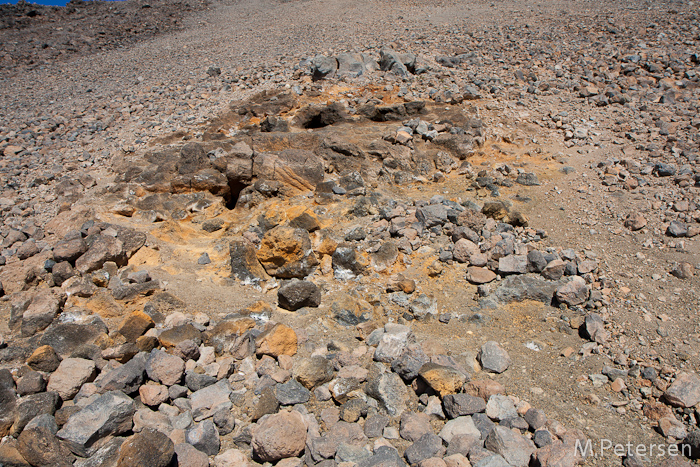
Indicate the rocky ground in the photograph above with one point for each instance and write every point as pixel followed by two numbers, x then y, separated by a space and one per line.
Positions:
pixel 322 233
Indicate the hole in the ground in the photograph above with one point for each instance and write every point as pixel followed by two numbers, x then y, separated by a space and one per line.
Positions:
pixel 314 117
pixel 316 121
pixel 236 187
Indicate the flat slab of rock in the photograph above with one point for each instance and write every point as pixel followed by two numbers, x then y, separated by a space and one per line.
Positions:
pixel 477 275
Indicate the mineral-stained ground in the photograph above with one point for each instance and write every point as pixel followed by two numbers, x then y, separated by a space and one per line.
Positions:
pixel 369 233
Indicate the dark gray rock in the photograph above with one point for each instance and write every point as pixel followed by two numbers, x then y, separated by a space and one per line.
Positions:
pixel 197 381
pixel 409 363
pixel 383 456
pixel 374 425
pixel 389 390
pixel 291 393
pixel 677 229
pixel 323 66
pixel 536 261
pixel 494 358
pixel 527 179
pixel 429 445
pixel 204 437
pixel 32 406
pixel 345 263
pixel 535 418
pixel 109 414
pixel 518 288
pixel 126 378
pixel 432 215
pixel 457 405
pixel 298 294
pixel 542 438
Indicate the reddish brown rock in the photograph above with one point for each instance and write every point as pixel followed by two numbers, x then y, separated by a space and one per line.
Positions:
pixel 477 275
pixel 279 436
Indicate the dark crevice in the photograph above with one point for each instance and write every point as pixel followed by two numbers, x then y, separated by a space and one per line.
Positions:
pixel 236 187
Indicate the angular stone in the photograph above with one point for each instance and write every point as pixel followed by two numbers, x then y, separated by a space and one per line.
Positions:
pixel 103 248
pixel 513 264
pixel 494 358
pixel 149 447
pixel 594 328
pixel 42 310
pixel 175 335
pixel 393 342
pixel 70 375
pixel 208 400
pixel 245 266
pixel 684 391
pixel 514 448
pixel 40 446
pixel 109 414
pixel 457 405
pixel 459 426
pixel 135 325
pixel 285 252
pixel 153 394
pixel 292 393
pixel 389 390
pixel 375 424
pixel 682 270
pixel 500 408
pixel 279 436
pixel 677 229
pixel 384 456
pixel 464 249
pixel 32 406
pixel 126 378
pixel 298 294
pixel 313 371
pixel 535 418
pixel 427 446
pixel 574 292
pixel 205 437
pixel 189 456
pixel 326 446
pixel 409 363
pixel 44 359
pixel 69 250
pixel 432 215
pixel 66 338
pixel 443 379
pixel 278 340
pixel 105 456
pixel 414 425
pixel 520 287
pixel 164 368
pixel 31 383
pixel 349 311
pixel 347 263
